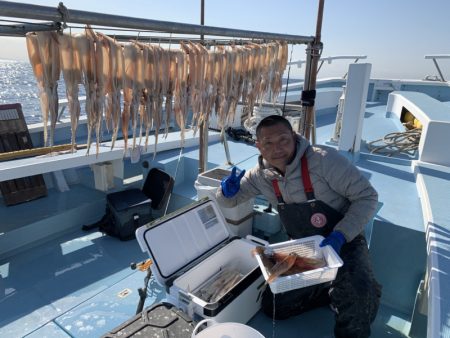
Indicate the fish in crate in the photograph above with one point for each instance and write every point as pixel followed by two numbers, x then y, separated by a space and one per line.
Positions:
pixel 297 263
pixel 282 264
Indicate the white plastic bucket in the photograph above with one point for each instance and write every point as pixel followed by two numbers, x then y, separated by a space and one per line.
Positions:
pixel 225 330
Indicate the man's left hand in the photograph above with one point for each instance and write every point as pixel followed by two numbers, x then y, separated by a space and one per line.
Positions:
pixel 336 239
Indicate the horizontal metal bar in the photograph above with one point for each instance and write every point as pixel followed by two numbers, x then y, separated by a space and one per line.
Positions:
pixel 438 56
pixel 176 40
pixel 21 29
pixel 37 12
pixel 287 106
pixel 329 59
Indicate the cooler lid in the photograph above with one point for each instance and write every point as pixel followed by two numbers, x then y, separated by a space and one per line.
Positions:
pixel 175 241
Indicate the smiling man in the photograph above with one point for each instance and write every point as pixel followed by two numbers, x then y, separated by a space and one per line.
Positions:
pixel 317 191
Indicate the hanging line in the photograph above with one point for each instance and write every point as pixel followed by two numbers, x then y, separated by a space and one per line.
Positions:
pixel 287 82
pixel 174 179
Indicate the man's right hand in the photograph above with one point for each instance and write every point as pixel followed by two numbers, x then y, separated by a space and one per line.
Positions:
pixel 231 184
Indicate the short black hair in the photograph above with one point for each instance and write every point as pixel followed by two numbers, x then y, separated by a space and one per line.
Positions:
pixel 272 120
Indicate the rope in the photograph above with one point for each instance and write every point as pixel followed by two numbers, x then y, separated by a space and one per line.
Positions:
pixel 287 81
pixel 174 178
pixel 260 113
pixel 398 142
pixel 64 14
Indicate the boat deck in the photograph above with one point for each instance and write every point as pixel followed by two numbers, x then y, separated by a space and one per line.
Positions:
pixel 46 296
pixel 81 284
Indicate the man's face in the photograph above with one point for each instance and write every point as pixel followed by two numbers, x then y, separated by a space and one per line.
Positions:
pixel 277 145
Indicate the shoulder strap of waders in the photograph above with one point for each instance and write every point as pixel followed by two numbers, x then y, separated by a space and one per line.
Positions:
pixel 309 191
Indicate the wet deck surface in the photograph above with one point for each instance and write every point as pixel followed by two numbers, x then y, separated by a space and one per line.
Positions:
pixel 81 285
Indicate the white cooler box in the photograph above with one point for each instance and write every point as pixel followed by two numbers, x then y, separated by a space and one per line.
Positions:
pixel 240 217
pixel 192 249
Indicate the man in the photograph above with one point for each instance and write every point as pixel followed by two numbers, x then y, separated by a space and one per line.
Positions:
pixel 317 192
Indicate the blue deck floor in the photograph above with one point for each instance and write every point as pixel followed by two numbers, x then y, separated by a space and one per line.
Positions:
pixel 81 284
pixel 45 296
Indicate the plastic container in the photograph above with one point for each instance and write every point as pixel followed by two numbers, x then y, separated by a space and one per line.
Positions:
pixel 103 176
pixel 239 218
pixel 189 249
pixel 222 330
pixel 306 247
pixel 14 136
pixel 268 223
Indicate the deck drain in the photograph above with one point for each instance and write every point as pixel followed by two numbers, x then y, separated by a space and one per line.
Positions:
pixel 124 293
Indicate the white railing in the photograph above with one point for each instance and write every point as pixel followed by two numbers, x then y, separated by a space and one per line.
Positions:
pixel 330 59
pixel 435 57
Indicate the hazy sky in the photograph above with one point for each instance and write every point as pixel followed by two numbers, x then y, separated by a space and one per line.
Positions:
pixel 394 34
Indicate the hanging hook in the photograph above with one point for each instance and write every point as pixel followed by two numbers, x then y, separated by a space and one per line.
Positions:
pixel 64 15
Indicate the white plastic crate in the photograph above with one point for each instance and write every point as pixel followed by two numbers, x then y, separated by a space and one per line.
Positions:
pixel 306 247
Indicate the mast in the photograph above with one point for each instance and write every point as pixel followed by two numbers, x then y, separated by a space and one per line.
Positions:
pixel 307 125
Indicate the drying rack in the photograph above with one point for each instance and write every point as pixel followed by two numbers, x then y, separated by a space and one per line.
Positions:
pixel 57 19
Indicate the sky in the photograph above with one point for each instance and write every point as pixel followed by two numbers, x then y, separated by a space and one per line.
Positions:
pixel 394 34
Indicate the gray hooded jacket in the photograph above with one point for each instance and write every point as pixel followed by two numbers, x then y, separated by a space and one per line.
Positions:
pixel 335 180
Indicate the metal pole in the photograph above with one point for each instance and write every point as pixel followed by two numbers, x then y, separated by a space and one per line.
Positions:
pixel 203 137
pixel 202 17
pixel 439 70
pixel 22 29
pixel 37 12
pixel 227 150
pixel 313 57
pixel 302 124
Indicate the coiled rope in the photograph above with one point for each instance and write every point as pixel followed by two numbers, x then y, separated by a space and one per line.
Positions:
pixel 398 142
pixel 260 113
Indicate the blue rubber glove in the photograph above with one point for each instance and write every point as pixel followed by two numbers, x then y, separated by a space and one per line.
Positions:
pixel 336 239
pixel 231 184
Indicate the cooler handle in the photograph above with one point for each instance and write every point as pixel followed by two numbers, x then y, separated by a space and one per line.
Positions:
pixel 257 240
pixel 207 321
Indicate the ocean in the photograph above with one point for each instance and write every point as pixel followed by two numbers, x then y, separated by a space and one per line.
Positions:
pixel 18 85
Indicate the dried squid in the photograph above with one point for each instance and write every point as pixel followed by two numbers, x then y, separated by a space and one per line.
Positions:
pixel 71 68
pixel 43 52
